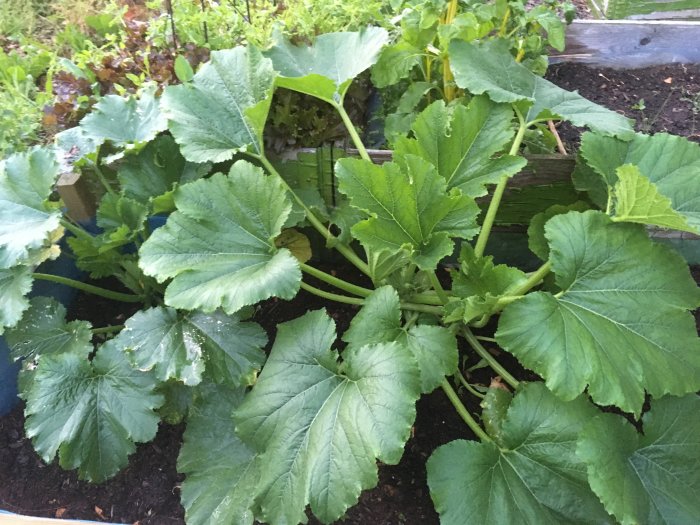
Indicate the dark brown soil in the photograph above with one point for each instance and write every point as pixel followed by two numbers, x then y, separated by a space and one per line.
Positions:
pixel 660 99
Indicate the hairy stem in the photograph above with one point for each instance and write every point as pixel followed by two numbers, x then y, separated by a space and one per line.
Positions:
pixel 75 229
pixel 89 288
pixel 338 283
pixel 331 296
pixel 439 290
pixel 463 412
pixel 498 192
pixel 463 381
pixel 356 140
pixel 332 240
pixel 486 356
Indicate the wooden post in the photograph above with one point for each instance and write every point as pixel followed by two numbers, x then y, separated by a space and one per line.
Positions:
pixel 79 201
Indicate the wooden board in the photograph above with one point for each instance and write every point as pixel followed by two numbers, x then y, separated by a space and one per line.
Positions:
pixel 628 44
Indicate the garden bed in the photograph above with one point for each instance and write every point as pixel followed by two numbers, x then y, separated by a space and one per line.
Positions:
pixel 147 491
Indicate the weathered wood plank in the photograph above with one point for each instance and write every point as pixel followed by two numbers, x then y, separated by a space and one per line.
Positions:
pixel 628 44
pixel 79 201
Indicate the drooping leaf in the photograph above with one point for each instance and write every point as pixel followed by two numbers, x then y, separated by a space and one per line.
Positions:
pixel 43 330
pixel 320 425
pixel 652 478
pixel 620 324
pixel 434 348
pixel 461 143
pixel 409 207
pixel 15 284
pixel 671 163
pixel 296 242
pixel 125 121
pixel 638 200
pixel 224 108
pixel 536 241
pixel 227 259
pixel 395 62
pixel 326 69
pixel 27 219
pixel 495 409
pixel 221 471
pixel 91 413
pixel 156 170
pixel 489 68
pixel 534 478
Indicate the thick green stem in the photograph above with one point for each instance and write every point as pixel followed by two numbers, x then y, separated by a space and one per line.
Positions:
pixel 332 296
pixel 426 309
pixel 498 192
pixel 533 280
pixel 107 329
pixel 338 283
pixel 75 229
pixel 89 288
pixel 486 356
pixel 439 290
pixel 463 412
pixel 426 298
pixel 332 240
pixel 356 140
pixel 96 167
pixel 463 381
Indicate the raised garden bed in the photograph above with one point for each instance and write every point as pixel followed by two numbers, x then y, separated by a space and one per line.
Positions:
pixel 249 205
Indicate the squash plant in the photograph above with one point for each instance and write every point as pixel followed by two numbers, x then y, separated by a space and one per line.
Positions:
pixel 415 68
pixel 610 434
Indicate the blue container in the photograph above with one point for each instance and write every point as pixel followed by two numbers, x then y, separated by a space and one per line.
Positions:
pixel 63 266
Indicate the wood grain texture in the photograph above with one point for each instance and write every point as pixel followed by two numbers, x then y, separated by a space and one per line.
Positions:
pixel 629 44
pixel 76 196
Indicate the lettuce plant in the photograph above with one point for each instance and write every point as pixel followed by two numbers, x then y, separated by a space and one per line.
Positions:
pixel 605 321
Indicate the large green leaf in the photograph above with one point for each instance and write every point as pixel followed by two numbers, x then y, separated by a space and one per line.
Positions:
pixel 395 62
pixel 671 163
pixel 320 424
pixel 156 170
pixel 27 219
pixel 326 69
pixel 461 143
pixel 620 324
pixel 489 68
pixel 125 121
pixel 409 206
pixel 652 478
pixel 638 200
pixel 433 347
pixel 219 246
pixel 15 284
pixel 537 242
pixel 44 330
pixel 221 471
pixel 224 108
pixel 91 413
pixel 533 477
pixel 178 345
